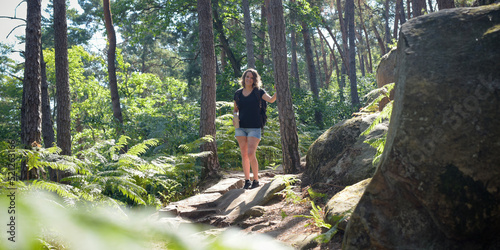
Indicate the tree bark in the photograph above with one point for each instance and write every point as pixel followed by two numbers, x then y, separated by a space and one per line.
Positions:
pixel 381 44
pixel 343 30
pixel 288 127
pixel 408 9
pixel 417 7
pixel 445 4
pixel 328 74
pixel 387 33
pixel 248 34
pixel 319 74
pixel 63 118
pixel 369 62
pixel 397 16
pixel 352 53
pixel 47 124
pixel 62 78
pixel 113 82
pixel 293 46
pixel 333 59
pixel 208 89
pixel 311 70
pixel 262 34
pixel 31 112
pixel 343 56
pixel 402 16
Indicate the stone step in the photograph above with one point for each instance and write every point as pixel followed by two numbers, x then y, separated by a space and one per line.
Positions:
pixel 225 185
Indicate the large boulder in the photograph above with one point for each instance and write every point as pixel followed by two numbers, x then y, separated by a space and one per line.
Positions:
pixel 386 69
pixel 386 73
pixel 438 182
pixel 339 208
pixel 340 156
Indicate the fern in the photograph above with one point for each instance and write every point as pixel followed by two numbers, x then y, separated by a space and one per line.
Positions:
pixel 379 143
pixel 141 148
pixel 317 217
pixel 326 237
pixel 197 143
pixel 384 114
pixel 63 190
pixel 374 105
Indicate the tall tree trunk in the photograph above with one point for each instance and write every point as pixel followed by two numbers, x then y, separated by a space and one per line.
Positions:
pixel 387 33
pixel 332 58
pixel 352 53
pixel 328 74
pixel 342 82
pixel 361 59
pixel 369 62
pixel 401 10
pixel 211 165
pixel 408 9
pixel 417 7
pixel 343 30
pixel 47 125
pixel 288 127
pixel 361 49
pixel 248 34
pixel 31 111
pixel 311 70
pixel 343 55
pixel 62 82
pixel 397 17
pixel 317 65
pixel 113 83
pixel 262 33
pixel 381 44
pixel 225 43
pixel 445 4
pixel 293 42
pixel 223 59
pixel 62 77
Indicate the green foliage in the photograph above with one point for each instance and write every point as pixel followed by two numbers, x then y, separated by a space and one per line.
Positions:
pixel 326 237
pixel 10 95
pixel 329 104
pixel 317 216
pixel 385 114
pixel 315 195
pixel 43 221
pixel 288 192
pixel 103 173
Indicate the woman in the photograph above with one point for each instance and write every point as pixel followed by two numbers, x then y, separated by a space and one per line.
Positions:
pixel 246 106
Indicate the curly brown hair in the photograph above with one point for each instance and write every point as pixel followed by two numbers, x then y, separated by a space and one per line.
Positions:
pixel 257 83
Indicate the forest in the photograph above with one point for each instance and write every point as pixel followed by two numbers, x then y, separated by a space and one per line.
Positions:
pixel 144 120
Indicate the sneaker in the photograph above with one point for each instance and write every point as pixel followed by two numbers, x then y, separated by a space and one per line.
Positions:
pixel 254 184
pixel 247 184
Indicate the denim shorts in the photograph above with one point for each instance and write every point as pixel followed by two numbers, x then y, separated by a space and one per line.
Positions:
pixel 254 132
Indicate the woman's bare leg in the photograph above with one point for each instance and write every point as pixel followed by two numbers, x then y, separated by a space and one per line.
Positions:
pixel 252 143
pixel 245 162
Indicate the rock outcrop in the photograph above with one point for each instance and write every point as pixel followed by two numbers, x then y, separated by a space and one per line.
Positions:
pixel 341 205
pixel 226 203
pixel 386 69
pixel 438 183
pixel 340 156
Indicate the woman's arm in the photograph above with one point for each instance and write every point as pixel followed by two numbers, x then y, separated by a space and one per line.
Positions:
pixel 235 109
pixel 268 98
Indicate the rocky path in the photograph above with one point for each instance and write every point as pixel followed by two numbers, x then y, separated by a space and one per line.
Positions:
pixel 257 211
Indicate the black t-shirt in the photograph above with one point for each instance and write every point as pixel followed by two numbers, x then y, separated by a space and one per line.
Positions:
pixel 249 109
